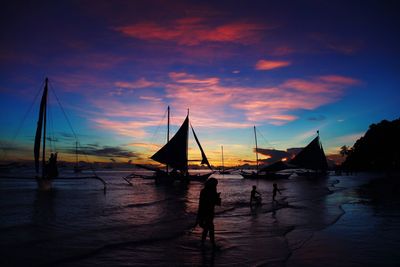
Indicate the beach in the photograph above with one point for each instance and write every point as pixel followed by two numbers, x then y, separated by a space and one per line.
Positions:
pixel 332 221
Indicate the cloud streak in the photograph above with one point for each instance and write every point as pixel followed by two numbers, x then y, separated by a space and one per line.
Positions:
pixel 193 31
pixel 106 151
pixel 141 83
pixel 271 64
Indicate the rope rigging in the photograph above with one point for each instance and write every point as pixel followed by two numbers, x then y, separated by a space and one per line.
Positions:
pixel 73 131
pixel 259 133
pixel 152 139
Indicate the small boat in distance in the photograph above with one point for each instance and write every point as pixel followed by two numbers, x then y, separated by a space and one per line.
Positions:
pixel 265 173
pixel 174 154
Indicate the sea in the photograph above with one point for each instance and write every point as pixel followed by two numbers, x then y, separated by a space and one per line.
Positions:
pixel 315 222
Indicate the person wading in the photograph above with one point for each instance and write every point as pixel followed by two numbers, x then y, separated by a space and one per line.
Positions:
pixel 209 198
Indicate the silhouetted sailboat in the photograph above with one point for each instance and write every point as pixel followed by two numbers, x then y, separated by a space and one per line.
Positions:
pixel 48 171
pixel 311 158
pixel 43 179
pixel 265 173
pixel 174 154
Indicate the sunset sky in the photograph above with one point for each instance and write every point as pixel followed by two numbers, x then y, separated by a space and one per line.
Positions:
pixel 288 67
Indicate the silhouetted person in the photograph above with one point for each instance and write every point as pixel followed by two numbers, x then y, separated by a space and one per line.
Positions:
pixel 205 215
pixel 52 170
pixel 255 196
pixel 274 192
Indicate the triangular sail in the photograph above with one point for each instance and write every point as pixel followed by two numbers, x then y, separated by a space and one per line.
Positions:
pixel 38 136
pixel 204 159
pixel 311 157
pixel 174 153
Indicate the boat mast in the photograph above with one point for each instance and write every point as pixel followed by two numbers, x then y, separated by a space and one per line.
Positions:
pixel 222 150
pixel 44 131
pixel 167 170
pixel 255 136
pixel 76 153
pixel 187 146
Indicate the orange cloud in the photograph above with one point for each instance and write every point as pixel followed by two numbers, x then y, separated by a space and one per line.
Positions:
pixel 270 64
pixel 193 31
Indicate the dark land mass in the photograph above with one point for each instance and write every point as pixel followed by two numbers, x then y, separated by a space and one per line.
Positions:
pixel 377 150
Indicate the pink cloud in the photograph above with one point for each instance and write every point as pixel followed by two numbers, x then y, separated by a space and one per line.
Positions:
pixel 283 50
pixel 339 80
pixel 193 31
pixel 213 104
pixel 151 98
pixel 141 83
pixel 270 104
pixel 180 77
pixel 132 128
pixel 307 86
pixel 322 84
pixel 270 64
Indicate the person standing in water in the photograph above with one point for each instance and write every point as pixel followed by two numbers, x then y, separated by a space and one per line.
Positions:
pixel 51 167
pixel 209 198
pixel 255 196
pixel 274 192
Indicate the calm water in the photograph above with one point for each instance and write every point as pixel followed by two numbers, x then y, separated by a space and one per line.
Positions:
pixel 315 223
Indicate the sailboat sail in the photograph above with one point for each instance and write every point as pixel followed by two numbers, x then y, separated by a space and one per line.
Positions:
pixel 174 153
pixel 38 135
pixel 311 157
pixel 204 159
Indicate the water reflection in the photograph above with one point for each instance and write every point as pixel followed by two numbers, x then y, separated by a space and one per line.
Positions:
pixel 43 212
